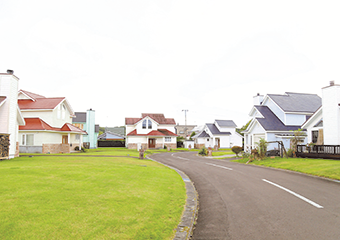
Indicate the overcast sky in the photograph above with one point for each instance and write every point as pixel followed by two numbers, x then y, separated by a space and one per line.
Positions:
pixel 124 58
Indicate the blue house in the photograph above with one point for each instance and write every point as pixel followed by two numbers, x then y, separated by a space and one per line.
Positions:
pixel 275 117
pixel 86 122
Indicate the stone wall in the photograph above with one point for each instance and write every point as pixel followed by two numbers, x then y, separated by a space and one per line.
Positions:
pixel 56 148
pixel 199 145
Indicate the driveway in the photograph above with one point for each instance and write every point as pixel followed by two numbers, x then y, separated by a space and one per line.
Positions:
pixel 238 201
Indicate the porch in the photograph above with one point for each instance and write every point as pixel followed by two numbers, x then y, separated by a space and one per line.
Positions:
pixel 318 151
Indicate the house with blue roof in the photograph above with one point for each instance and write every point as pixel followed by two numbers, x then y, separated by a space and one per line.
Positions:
pixel 275 117
pixel 221 133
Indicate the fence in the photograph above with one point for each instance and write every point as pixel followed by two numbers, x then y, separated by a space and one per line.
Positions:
pixel 319 151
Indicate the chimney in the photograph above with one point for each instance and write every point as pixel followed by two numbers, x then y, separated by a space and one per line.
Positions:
pixel 257 100
pixel 10 71
pixel 331 83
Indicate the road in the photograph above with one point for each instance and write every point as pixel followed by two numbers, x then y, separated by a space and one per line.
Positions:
pixel 238 201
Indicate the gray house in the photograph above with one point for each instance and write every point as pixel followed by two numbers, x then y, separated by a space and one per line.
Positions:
pixel 221 133
pixel 275 117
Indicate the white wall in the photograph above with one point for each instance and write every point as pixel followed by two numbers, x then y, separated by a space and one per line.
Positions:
pixel 8 111
pixel 331 114
pixel 294 119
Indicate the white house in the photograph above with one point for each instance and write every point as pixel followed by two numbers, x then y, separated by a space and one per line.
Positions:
pixel 221 133
pixel 275 117
pixel 10 115
pixel 323 127
pixel 48 126
pixel 150 131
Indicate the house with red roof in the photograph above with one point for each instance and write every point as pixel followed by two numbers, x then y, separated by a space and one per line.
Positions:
pixel 10 115
pixel 150 131
pixel 48 126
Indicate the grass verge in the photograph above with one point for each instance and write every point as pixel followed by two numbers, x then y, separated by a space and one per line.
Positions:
pixel 60 197
pixel 318 167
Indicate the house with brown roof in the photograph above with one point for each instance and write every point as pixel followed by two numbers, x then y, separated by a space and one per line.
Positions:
pixel 150 131
pixel 48 126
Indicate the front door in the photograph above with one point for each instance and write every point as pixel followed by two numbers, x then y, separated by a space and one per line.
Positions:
pixel 217 142
pixel 65 139
pixel 152 143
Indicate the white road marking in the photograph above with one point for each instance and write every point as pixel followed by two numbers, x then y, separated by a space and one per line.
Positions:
pixel 219 166
pixel 295 194
pixel 180 157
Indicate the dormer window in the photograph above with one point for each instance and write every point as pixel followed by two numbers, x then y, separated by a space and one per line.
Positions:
pixel 147 122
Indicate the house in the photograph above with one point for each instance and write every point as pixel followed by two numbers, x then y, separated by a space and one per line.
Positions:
pixel 48 127
pixel 184 130
pixel 275 117
pixel 150 131
pixel 221 133
pixel 86 122
pixel 323 127
pixel 10 115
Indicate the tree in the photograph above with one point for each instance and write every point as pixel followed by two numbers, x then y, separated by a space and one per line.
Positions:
pixel 236 150
pixel 240 130
pixel 192 134
pixel 298 135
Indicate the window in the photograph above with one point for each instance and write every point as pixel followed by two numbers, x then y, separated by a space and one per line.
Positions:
pixel 63 111
pixel 167 139
pixel 27 140
pixel 78 137
pixel 149 124
pixel 144 124
pixel 315 135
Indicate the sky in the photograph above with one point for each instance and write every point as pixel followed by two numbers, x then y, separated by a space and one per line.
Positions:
pixel 124 58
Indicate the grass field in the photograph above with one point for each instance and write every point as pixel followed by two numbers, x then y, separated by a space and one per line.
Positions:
pixel 318 167
pixel 222 152
pixel 59 197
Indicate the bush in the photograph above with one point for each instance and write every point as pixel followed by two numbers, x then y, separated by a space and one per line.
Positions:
pixel 236 150
pixel 290 152
pixel 203 152
pixel 82 149
pixel 262 148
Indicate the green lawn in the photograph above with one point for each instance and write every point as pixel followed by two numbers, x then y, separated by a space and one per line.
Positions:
pixel 222 152
pixel 59 197
pixel 318 167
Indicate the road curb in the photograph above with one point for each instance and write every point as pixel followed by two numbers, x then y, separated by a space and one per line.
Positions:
pixel 185 228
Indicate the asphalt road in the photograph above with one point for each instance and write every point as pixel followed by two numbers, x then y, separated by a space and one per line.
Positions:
pixel 238 201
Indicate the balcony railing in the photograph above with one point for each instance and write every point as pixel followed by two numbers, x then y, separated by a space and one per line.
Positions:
pixel 319 151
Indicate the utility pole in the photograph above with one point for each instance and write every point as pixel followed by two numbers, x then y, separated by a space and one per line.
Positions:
pixel 185 128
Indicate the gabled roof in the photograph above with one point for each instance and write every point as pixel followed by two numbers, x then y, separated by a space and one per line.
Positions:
pixel 159 132
pixel 226 123
pixel 270 122
pixel 38 124
pixel 214 130
pixel 203 134
pixel 40 103
pixel 116 130
pixel 297 102
pixel 30 95
pixel 157 117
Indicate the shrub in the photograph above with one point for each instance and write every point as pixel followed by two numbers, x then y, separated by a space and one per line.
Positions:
pixel 82 149
pixel 290 152
pixel 203 152
pixel 236 150
pixel 262 148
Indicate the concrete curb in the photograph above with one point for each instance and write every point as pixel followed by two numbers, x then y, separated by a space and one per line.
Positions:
pixel 185 228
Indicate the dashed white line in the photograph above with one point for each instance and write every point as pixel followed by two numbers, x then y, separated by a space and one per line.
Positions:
pixel 219 166
pixel 295 194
